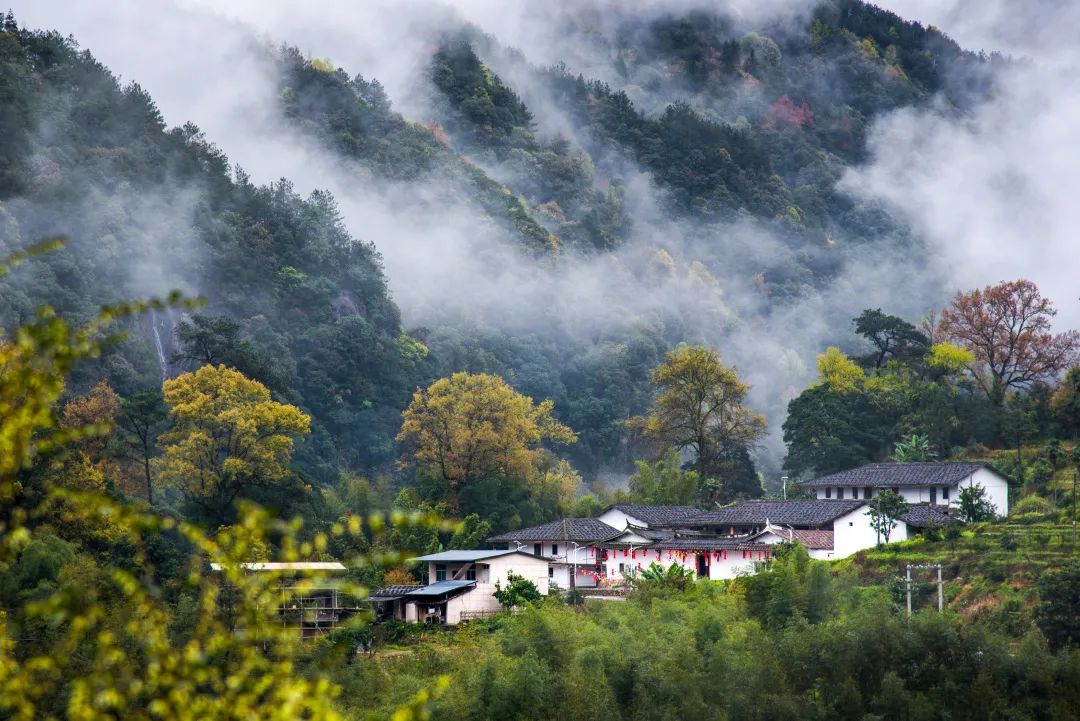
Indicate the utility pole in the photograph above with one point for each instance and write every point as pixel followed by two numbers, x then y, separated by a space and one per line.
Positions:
pixel 908 585
pixel 940 585
pixel 573 567
pixel 940 591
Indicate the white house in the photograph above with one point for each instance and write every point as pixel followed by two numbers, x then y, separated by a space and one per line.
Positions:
pixel 930 483
pixel 460 585
pixel 847 520
pixel 571 547
pixel 624 515
pixel 707 556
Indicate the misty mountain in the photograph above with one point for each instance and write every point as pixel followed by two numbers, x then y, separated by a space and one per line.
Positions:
pixel 672 178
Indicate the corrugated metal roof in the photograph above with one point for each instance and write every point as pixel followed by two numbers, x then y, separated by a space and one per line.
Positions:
pixel 440 588
pixel 389 593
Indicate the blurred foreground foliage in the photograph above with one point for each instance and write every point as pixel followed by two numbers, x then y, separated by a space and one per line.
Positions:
pixel 108 635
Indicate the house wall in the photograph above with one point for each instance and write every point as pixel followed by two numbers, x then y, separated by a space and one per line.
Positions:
pixel 736 563
pixel 480 598
pixel 458 570
pixel 997 489
pixel 583 575
pixel 849 493
pixel 852 532
pixel 532 568
pixel 822 554
pixel 719 567
pixel 619 520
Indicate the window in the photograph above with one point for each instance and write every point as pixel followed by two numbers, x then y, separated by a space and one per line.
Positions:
pixel 868 493
pixel 551 572
pixel 554 549
pixel 896 490
pixel 944 493
pixel 855 493
pixel 933 496
pixel 840 493
pixel 440 572
pixel 470 573
pixel 828 493
pixel 538 549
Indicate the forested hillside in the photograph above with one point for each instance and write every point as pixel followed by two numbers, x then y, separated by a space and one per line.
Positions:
pixel 637 276
pixel 741 132
pixel 292 299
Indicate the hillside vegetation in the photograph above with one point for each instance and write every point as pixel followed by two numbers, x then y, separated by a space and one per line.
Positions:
pixel 281 406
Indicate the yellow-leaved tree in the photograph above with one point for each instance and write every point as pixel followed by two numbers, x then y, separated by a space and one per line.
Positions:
pixel 103 646
pixel 838 371
pixel 699 407
pixel 470 426
pixel 228 436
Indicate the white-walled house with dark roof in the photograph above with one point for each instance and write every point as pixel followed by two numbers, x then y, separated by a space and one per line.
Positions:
pixel 846 520
pixel 624 515
pixel 571 547
pixel 460 586
pixel 936 484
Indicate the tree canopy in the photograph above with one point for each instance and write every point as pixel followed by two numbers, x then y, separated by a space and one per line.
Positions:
pixel 699 408
pixel 227 438
pixel 470 427
pixel 1007 327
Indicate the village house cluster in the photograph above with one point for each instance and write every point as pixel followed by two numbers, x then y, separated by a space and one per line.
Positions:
pixel 590 555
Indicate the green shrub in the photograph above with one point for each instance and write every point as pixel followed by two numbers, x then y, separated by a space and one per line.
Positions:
pixel 1034 504
pixel 1008 542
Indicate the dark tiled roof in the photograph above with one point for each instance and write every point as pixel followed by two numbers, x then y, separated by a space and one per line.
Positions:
pixel 391 592
pixel 710 544
pixel 568 529
pixel 793 513
pixel 923 515
pixel 811 539
pixel 654 534
pixel 657 515
pixel 885 475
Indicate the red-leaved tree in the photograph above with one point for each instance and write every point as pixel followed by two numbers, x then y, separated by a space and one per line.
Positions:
pixel 1007 327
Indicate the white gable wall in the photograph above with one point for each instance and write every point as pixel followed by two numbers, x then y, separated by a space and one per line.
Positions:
pixel 997 489
pixel 852 532
pixel 619 520
pixel 532 568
